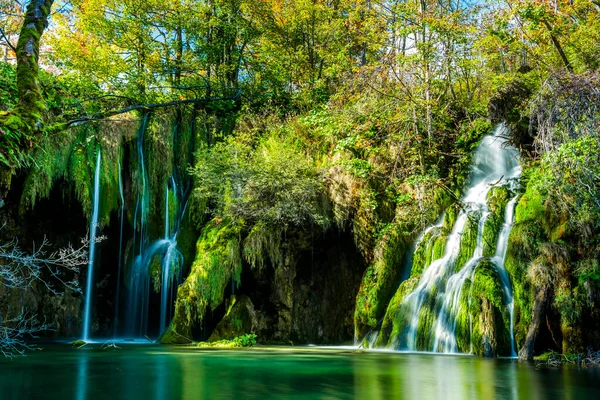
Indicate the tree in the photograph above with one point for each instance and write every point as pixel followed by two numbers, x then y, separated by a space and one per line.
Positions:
pixel 20 126
pixel 20 270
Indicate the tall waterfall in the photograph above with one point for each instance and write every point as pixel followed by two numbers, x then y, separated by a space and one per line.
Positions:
pixel 427 316
pixel 92 251
pixel 139 279
pixel 163 251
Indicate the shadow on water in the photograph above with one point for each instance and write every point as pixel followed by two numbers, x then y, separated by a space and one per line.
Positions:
pixel 158 372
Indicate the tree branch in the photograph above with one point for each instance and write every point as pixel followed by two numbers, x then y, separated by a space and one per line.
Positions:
pixel 147 107
pixel 8 43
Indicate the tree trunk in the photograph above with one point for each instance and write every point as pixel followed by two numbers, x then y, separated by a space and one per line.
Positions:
pixel 31 103
pixel 559 48
pixel 18 126
pixel 537 316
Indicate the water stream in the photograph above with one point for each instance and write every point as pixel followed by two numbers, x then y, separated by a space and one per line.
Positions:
pixel 141 250
pixel 165 249
pixel 440 288
pixel 92 250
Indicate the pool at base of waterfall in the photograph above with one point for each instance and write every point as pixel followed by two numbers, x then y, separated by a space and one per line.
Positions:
pixel 60 371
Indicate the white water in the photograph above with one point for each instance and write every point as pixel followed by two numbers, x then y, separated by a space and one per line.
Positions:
pixel 92 251
pixel 495 163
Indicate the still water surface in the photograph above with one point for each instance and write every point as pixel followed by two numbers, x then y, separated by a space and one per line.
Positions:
pixel 160 372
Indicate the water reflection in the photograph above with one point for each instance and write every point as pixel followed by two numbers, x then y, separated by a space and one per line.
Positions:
pixel 153 372
pixel 82 376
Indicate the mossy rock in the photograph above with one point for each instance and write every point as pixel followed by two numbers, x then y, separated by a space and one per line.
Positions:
pixel 450 215
pixel 396 319
pixel 245 340
pixel 240 318
pixel 380 278
pixel 497 200
pixel 218 262
pixel 483 314
pixel 427 250
pixel 468 240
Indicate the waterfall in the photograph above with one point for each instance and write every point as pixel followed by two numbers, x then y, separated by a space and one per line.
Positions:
pixel 172 262
pixel 92 252
pixel 163 251
pixel 430 312
pixel 499 259
pixel 120 263
pixel 139 279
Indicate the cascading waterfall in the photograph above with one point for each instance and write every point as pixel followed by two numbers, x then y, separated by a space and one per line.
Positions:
pixel 431 310
pixel 499 259
pixel 171 264
pixel 139 281
pixel 164 249
pixel 92 251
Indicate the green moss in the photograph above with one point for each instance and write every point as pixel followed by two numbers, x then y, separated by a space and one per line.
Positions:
pixel 497 199
pixel 468 241
pixel 427 317
pixel 450 215
pixel 430 248
pixel 246 340
pixel 263 244
pixel 483 320
pixel 51 162
pixel 71 156
pixel 240 318
pixel 380 278
pixel 158 155
pixel 396 319
pixel 439 248
pixel 155 272
pixel 81 176
pixel 218 261
pixel 526 238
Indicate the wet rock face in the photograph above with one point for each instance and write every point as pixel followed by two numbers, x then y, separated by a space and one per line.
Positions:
pixel 311 297
pixel 61 222
pixel 282 296
pixel 325 290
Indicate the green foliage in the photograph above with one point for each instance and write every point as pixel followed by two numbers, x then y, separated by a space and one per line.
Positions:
pixel 274 184
pixel 247 340
pixel 8 87
pixel 70 157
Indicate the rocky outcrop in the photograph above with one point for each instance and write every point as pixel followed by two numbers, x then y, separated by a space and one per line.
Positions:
pixel 239 320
